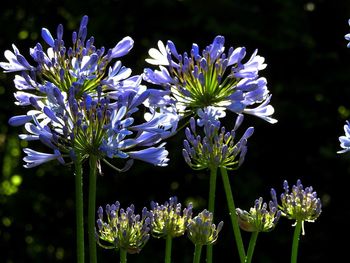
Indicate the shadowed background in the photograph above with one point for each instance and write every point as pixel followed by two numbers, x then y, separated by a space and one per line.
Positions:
pixel 308 74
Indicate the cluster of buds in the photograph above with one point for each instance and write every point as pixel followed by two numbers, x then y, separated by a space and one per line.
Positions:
pixel 299 204
pixel 218 147
pixel 123 229
pixel 201 229
pixel 169 219
pixel 260 218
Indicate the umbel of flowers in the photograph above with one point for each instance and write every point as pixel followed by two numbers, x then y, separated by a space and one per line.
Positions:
pixel 196 80
pixel 300 204
pixel 123 229
pixel 81 102
pixel 260 218
pixel 218 147
pixel 202 231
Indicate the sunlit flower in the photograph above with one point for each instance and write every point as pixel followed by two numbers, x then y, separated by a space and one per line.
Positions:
pixel 345 139
pixel 84 104
pixel 347 36
pixel 123 229
pixel 260 218
pixel 211 78
pixel 217 148
pixel 169 219
pixel 201 230
pixel 299 204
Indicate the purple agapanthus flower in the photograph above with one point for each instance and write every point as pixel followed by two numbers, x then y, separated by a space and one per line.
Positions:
pixel 217 148
pixel 345 139
pixel 211 78
pixel 82 102
pixel 347 36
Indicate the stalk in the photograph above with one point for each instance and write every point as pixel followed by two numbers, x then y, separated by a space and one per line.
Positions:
pixel 168 245
pixel 251 247
pixel 295 244
pixel 232 210
pixel 197 253
pixel 211 206
pixel 123 256
pixel 91 208
pixel 79 208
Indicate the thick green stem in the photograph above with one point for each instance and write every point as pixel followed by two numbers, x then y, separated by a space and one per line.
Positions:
pixel 211 205
pixel 91 208
pixel 232 209
pixel 79 208
pixel 295 245
pixel 251 247
pixel 168 244
pixel 123 255
pixel 197 253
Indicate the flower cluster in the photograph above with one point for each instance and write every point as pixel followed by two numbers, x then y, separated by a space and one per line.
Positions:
pixel 345 139
pixel 82 104
pixel 201 229
pixel 347 36
pixel 123 229
pixel 218 147
pixel 211 78
pixel 299 204
pixel 169 219
pixel 259 218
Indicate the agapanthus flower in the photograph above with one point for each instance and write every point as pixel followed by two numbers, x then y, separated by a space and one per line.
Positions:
pixel 300 204
pixel 260 218
pixel 218 147
pixel 169 219
pixel 201 230
pixel 211 78
pixel 123 229
pixel 84 104
pixel 345 139
pixel 347 36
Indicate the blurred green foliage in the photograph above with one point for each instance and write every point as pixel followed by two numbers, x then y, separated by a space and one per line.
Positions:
pixel 308 75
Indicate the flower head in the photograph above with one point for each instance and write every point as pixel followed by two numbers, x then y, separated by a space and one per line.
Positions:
pixel 168 219
pixel 123 229
pixel 345 139
pixel 218 147
pixel 260 218
pixel 211 78
pixel 300 204
pixel 201 229
pixel 347 36
pixel 82 102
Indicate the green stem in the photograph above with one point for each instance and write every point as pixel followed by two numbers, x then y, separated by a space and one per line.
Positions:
pixel 296 237
pixel 251 247
pixel 168 244
pixel 211 206
pixel 197 253
pixel 79 208
pixel 123 255
pixel 232 209
pixel 91 208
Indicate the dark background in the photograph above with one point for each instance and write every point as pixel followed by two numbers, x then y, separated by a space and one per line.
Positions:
pixel 308 75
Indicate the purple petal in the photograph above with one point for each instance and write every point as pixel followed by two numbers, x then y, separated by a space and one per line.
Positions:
pixel 19 120
pixel 46 35
pixel 122 48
